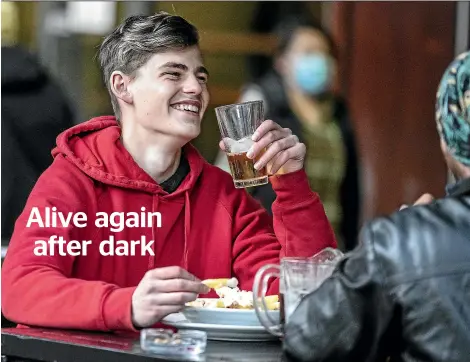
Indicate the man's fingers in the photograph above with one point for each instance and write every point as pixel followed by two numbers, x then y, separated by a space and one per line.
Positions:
pixel 279 161
pixel 268 139
pixel 170 299
pixel 171 272
pixel 280 148
pixel 264 128
pixel 155 313
pixel 424 199
pixel 297 151
pixel 164 310
pixel 179 285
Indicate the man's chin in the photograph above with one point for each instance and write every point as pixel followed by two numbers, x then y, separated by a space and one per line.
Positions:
pixel 189 132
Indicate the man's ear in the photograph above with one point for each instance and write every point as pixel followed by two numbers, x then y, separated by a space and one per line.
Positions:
pixel 119 83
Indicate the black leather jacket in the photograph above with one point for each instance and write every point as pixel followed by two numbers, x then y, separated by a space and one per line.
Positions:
pixel 403 294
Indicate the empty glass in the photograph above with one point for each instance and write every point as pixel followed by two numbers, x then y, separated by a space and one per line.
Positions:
pixel 298 278
pixel 237 123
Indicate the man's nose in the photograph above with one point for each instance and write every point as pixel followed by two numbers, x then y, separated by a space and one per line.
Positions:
pixel 192 85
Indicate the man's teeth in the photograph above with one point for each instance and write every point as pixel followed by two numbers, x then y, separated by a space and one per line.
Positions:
pixel 186 107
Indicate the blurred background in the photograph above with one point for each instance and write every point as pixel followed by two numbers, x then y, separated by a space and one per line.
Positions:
pixel 391 56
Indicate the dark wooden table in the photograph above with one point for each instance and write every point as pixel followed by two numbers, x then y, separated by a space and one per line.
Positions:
pixel 72 346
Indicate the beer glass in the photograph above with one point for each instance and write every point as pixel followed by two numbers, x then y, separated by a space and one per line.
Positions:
pixel 237 123
pixel 298 278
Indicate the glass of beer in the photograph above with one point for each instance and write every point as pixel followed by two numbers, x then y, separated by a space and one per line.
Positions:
pixel 298 278
pixel 237 123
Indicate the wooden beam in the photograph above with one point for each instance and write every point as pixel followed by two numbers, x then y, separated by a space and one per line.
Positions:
pixel 221 95
pixel 238 43
pixel 220 43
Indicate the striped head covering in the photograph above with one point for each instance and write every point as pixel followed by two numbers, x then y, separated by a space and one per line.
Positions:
pixel 453 108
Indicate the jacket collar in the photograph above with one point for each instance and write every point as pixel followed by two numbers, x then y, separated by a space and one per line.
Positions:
pixel 459 188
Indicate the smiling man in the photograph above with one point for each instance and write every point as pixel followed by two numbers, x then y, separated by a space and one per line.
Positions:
pixel 142 159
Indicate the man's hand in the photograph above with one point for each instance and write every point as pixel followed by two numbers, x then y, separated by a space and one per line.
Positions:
pixel 284 153
pixel 161 292
pixel 423 200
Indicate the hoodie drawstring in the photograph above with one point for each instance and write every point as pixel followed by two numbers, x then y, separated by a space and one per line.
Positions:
pixel 187 228
pixel 151 264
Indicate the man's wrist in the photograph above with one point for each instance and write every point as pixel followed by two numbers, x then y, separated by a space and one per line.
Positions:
pixel 117 309
pixel 292 187
pixel 286 180
pixel 135 324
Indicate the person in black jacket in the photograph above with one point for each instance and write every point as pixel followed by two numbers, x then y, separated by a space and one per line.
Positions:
pixel 34 112
pixel 297 91
pixel 404 293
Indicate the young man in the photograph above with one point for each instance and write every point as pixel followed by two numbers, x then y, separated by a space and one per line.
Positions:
pixel 404 293
pixel 141 161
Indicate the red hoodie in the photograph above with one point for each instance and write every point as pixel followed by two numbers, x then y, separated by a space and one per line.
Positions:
pixel 208 227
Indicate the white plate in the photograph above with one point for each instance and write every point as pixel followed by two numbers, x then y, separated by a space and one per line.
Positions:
pixel 220 332
pixel 231 317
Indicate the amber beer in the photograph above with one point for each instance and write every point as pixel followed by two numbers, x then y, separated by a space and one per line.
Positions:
pixel 243 171
pixel 237 124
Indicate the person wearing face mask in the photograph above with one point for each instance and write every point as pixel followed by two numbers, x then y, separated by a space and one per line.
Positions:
pixel 297 92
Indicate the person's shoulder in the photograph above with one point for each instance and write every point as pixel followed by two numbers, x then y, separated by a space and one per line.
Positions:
pixel 396 225
pixel 443 212
pixel 62 178
pixel 66 187
pixel 219 184
pixel 216 175
pixel 418 236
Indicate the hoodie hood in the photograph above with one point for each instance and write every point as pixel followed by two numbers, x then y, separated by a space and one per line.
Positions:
pixel 20 69
pixel 95 147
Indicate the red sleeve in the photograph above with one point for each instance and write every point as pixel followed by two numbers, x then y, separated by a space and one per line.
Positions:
pixel 301 228
pixel 299 218
pixel 40 290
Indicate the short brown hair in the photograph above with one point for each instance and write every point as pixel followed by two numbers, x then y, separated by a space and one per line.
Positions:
pixel 139 37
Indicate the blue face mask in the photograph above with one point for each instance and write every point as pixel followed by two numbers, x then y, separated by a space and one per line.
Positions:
pixel 312 73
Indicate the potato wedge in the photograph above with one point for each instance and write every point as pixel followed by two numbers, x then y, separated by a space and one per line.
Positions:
pixel 219 283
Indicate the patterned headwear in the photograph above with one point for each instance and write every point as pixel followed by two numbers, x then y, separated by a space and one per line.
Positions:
pixel 453 108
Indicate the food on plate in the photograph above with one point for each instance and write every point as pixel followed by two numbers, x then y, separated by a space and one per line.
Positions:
pixel 231 297
pixel 219 283
pixel 206 303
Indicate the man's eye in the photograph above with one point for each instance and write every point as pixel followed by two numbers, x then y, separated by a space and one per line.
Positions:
pixel 202 79
pixel 173 75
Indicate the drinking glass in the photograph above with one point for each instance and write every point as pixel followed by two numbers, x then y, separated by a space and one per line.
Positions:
pixel 237 123
pixel 298 278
